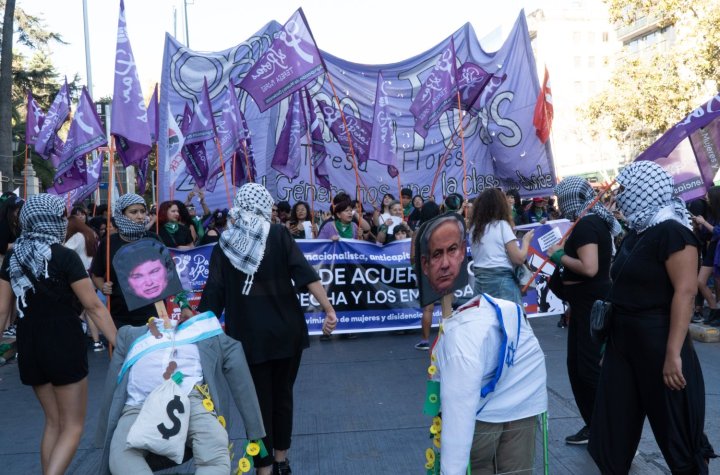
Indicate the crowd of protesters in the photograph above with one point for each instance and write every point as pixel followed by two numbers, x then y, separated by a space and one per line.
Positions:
pixel 646 367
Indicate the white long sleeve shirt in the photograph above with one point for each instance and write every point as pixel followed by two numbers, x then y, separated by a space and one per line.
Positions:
pixel 466 356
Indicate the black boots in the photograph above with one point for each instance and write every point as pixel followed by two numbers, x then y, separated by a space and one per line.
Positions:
pixel 282 468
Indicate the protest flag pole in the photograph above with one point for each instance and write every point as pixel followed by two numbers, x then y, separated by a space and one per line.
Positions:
pixel 25 169
pixel 247 162
pixel 157 188
pixel 570 229
pixel 462 146
pixel 222 166
pixel 111 185
pixel 308 154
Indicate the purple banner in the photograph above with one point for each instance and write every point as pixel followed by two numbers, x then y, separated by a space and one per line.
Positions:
pixel 55 117
pixel 383 143
pixel 291 62
pixel 153 117
pixel 33 120
pixel 93 180
pixel 288 152
pixel 438 91
pixel 359 131
pixel 129 119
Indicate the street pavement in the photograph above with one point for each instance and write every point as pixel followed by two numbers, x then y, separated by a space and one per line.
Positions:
pixel 358 410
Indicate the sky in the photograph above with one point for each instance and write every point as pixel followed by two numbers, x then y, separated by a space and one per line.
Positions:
pixel 369 32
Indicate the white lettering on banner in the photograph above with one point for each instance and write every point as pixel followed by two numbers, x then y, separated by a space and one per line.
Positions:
pixel 81 123
pixel 509 140
pixel 273 58
pixel 288 36
pixel 700 111
pixel 335 298
pixel 385 275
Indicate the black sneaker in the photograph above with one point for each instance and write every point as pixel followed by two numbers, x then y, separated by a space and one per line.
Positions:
pixel 697 318
pixel 581 438
pixel 282 468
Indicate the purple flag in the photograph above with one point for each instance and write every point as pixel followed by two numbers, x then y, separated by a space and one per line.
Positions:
pixel 690 151
pixel 358 129
pixel 129 120
pixel 472 79
pixel 319 153
pixel 437 92
pixel 227 128
pixel 93 180
pixel 153 116
pixel 244 157
pixel 85 134
pixel 34 119
pixel 383 143
pixel 55 117
pixel 194 153
pixel 175 163
pixel 141 174
pixel 291 61
pixel 288 152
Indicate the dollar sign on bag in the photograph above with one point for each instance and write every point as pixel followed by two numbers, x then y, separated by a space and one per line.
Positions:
pixel 174 405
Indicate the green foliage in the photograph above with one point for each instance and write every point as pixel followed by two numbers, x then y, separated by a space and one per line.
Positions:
pixel 648 94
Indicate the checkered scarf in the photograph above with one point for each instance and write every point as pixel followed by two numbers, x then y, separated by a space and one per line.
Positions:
pixel 128 229
pixel 575 194
pixel 244 240
pixel 647 198
pixel 43 224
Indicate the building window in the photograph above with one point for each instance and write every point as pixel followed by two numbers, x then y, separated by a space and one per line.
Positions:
pixel 605 36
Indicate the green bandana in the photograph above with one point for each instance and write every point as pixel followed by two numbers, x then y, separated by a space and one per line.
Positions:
pixel 172 227
pixel 344 230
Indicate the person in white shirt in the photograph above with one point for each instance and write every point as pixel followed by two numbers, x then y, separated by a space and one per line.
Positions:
pixel 492 378
pixel 494 247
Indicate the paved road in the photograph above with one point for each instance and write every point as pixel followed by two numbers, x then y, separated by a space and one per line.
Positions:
pixel 358 411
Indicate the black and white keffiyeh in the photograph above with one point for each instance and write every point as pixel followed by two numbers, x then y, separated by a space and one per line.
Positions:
pixel 43 223
pixel 575 194
pixel 647 197
pixel 244 240
pixel 128 229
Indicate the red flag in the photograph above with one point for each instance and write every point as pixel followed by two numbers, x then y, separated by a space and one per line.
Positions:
pixel 543 117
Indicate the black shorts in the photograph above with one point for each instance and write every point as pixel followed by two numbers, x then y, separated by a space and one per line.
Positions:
pixel 51 350
pixel 708 259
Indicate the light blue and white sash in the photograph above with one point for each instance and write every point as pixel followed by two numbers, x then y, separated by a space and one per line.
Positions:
pixel 200 327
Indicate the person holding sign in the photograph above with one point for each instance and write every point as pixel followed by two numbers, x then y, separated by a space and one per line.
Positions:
pixel 585 270
pixel 494 247
pixel 255 273
pixel 129 213
pixel 47 280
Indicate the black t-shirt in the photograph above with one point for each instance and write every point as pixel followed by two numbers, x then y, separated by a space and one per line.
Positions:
pixel 269 321
pixel 641 285
pixel 7 236
pixel 118 308
pixel 53 297
pixel 181 237
pixel 591 229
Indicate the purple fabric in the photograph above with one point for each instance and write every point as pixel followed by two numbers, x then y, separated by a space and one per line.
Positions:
pixel 174 165
pixel 438 91
pixel 93 180
pixel 33 121
pixel 245 155
pixel 291 61
pixel 153 117
pixel 55 117
pixel 360 131
pixel 289 152
pixel 141 176
pixel 129 119
pixel 472 79
pixel 329 230
pixel 85 134
pixel 194 153
pixel 319 154
pixel 689 150
pixel 227 127
pixel 383 143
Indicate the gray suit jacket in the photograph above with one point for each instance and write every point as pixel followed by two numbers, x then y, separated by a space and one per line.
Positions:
pixel 223 364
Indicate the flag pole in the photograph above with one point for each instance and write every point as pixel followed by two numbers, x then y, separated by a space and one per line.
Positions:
pixel 25 173
pixel 308 148
pixel 462 142
pixel 111 185
pixel 156 189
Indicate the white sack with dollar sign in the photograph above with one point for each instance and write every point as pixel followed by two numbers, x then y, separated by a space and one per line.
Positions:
pixel 162 425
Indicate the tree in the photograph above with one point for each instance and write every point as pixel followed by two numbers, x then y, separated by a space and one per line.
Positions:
pixel 649 94
pixel 33 35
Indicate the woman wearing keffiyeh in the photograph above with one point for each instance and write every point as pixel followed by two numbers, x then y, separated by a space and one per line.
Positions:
pixel 45 280
pixel 650 367
pixel 584 262
pixel 254 272
pixel 129 216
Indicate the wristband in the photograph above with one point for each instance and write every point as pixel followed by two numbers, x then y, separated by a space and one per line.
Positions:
pixel 557 256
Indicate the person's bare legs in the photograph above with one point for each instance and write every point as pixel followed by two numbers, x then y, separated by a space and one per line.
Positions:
pixel 707 294
pixel 46 396
pixel 94 332
pixel 280 455
pixel 426 322
pixel 67 406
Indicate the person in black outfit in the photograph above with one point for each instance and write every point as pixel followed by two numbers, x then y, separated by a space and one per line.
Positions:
pixel 9 223
pixel 49 285
pixel 585 260
pixel 218 224
pixel 255 272
pixel 129 213
pixel 173 233
pixel 650 368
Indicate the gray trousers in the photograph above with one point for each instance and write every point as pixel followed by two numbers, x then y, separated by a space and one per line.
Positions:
pixel 208 439
pixel 507 447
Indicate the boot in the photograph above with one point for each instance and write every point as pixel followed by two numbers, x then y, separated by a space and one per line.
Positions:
pixel 282 468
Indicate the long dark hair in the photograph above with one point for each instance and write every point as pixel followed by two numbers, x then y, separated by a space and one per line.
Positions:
pixel 491 205
pixel 714 204
pixel 76 224
pixel 293 213
pixel 7 213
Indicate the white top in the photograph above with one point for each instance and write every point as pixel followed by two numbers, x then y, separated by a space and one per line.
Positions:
pixel 490 252
pixel 466 357
pixel 77 244
pixel 147 373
